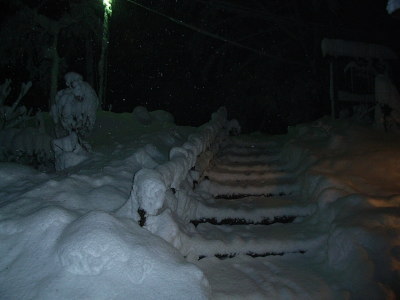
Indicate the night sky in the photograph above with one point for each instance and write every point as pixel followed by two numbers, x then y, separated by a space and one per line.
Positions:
pixel 274 75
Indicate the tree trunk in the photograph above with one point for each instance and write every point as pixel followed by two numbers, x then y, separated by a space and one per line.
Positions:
pixel 55 65
pixel 103 62
pixel 89 61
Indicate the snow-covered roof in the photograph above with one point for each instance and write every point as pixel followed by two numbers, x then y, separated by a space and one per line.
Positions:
pixel 392 6
pixel 355 49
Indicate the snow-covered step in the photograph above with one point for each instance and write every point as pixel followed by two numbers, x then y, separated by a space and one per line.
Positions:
pixel 274 166
pixel 249 150
pixel 253 151
pixel 278 239
pixel 221 174
pixel 253 210
pixel 285 186
pixel 242 143
pixel 250 158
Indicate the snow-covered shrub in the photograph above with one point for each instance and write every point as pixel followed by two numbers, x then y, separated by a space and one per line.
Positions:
pixel 142 115
pixel 26 145
pixel 11 116
pixel 19 143
pixel 162 116
pixel 75 106
pixel 68 152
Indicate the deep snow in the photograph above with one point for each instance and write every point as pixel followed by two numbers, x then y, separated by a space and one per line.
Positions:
pixel 63 235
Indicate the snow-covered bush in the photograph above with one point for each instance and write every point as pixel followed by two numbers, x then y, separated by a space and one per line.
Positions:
pixel 142 115
pixel 20 142
pixel 75 106
pixel 11 116
pixel 162 116
pixel 26 145
pixel 68 152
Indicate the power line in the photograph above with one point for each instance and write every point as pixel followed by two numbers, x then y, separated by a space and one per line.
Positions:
pixel 212 35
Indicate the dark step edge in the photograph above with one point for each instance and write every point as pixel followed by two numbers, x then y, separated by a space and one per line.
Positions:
pixel 242 221
pixel 240 196
pixel 252 254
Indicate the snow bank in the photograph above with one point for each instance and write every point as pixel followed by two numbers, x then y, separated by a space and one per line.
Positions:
pixel 60 238
pixel 352 179
pixel 93 256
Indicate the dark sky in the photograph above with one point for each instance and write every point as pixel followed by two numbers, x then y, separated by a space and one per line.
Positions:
pixel 279 80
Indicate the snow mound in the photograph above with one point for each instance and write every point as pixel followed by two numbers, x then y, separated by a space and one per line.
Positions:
pixel 92 244
pixel 95 256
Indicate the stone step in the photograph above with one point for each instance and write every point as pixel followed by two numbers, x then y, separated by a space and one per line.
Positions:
pixel 245 167
pixel 221 174
pixel 226 241
pixel 253 210
pixel 229 188
pixel 249 158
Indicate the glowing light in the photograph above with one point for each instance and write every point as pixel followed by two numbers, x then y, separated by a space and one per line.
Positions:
pixel 104 47
pixel 108 6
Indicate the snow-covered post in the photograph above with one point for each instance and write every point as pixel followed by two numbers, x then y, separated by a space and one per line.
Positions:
pixel 150 186
pixel 387 110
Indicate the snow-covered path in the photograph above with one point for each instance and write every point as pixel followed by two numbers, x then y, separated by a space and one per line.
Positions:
pixel 255 212
pixel 255 239
pixel 314 214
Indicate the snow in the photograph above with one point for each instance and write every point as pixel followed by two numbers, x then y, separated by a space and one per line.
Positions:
pixel 74 234
pixel 392 6
pixel 75 106
pixel 334 47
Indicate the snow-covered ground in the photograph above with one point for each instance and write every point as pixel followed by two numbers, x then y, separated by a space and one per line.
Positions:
pixel 63 235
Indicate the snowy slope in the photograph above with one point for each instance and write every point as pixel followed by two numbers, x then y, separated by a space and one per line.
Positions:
pixel 62 239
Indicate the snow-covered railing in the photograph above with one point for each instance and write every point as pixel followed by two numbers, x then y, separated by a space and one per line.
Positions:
pixel 335 48
pixel 150 186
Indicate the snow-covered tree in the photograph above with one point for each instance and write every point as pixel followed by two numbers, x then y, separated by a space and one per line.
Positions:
pixel 75 106
pixel 31 38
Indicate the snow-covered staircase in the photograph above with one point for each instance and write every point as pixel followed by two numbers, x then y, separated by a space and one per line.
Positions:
pixel 255 207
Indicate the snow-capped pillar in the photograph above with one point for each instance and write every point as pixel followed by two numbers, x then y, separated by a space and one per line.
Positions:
pixel 151 186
